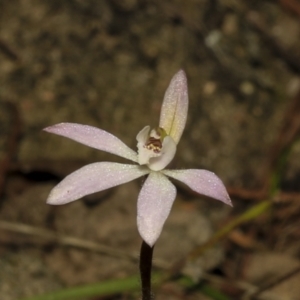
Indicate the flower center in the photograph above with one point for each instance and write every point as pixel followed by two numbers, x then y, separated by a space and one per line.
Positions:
pixel 154 144
pixel 155 139
pixel 155 148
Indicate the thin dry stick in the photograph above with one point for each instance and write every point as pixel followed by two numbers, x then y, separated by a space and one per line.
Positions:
pixel 275 282
pixel 54 237
pixel 8 51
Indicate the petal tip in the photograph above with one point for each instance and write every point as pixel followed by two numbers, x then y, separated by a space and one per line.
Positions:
pixel 148 236
pixel 223 194
pixel 180 76
pixel 150 242
pixel 59 195
pixel 52 128
pixel 181 73
pixel 180 81
pixel 47 129
pixel 52 201
pixel 228 201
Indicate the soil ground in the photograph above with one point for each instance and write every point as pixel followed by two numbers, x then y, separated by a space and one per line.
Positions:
pixel 107 64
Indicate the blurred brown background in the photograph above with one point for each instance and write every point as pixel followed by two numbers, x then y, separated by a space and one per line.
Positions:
pixel 107 64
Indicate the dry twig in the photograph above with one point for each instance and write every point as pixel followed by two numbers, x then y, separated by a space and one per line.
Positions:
pixel 276 282
pixel 8 51
pixel 69 241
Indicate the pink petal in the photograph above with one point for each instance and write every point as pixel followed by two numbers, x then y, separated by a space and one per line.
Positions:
pixel 175 106
pixel 93 178
pixel 203 182
pixel 93 137
pixel 154 205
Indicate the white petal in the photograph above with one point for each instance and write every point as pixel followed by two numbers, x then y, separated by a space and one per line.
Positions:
pixel 154 205
pixel 93 178
pixel 93 137
pixel 203 182
pixel 143 135
pixel 175 106
pixel 144 154
pixel 167 154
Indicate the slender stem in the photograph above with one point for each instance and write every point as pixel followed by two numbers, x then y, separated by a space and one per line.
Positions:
pixel 145 270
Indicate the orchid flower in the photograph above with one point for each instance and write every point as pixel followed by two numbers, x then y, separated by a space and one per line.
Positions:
pixel 156 148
